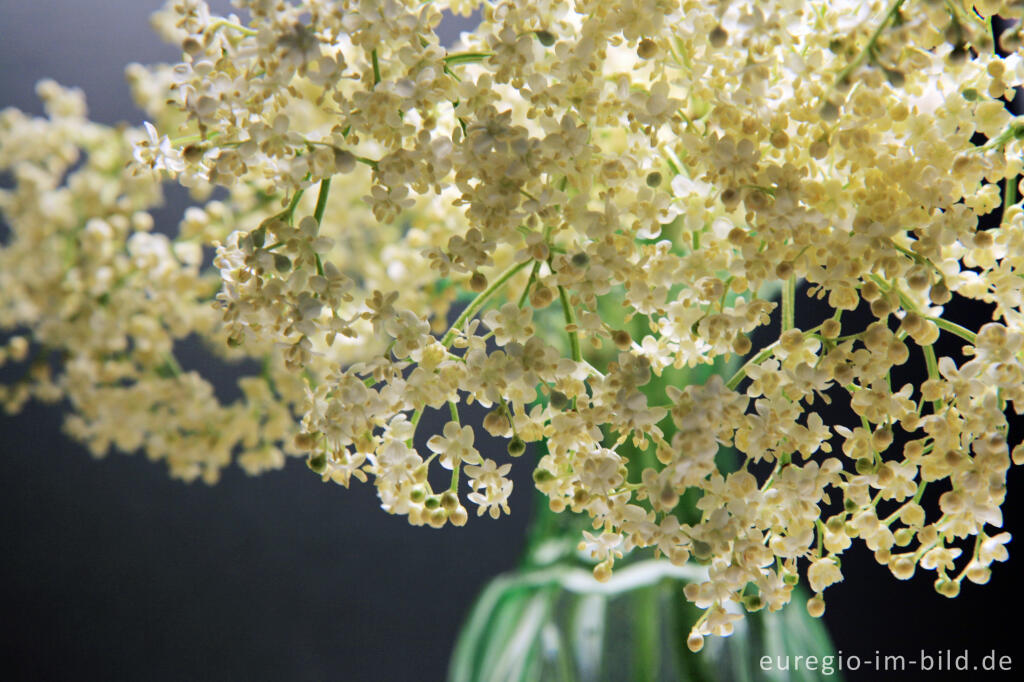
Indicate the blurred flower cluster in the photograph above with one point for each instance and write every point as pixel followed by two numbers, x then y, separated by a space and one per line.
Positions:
pixel 557 218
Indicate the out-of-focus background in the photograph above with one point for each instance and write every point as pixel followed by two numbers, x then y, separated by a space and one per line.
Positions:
pixel 111 570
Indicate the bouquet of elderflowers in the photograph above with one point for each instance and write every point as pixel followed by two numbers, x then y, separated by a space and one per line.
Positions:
pixel 581 217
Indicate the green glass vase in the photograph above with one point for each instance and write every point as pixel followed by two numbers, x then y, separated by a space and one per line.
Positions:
pixel 550 620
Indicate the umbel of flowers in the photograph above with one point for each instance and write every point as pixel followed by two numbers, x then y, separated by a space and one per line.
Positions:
pixel 406 227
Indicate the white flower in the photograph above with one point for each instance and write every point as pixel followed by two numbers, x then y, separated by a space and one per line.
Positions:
pixel 822 573
pixel 157 153
pixel 455 447
pixel 510 323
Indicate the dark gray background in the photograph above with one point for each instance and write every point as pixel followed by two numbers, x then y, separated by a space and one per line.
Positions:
pixel 110 570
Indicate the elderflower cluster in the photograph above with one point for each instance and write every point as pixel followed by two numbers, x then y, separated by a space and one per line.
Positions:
pixel 569 217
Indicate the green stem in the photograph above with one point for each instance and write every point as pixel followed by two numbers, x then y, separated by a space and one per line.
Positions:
pixel 916 257
pixel 920 492
pixel 570 321
pixel 508 413
pixel 466 58
pixel 224 23
pixel 196 137
pixel 415 421
pixel 789 304
pixel 454 410
pixel 169 368
pixel 376 67
pixel 321 200
pixel 1009 195
pixel 454 485
pixel 472 309
pixel 736 378
pixel 481 299
pixel 318 216
pixel 933 373
pixel 288 214
pixel 859 59
pixel 1014 130
pixel 953 328
pixel 265 373
pixel 529 284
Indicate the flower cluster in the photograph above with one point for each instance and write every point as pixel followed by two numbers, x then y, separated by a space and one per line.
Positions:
pixel 569 217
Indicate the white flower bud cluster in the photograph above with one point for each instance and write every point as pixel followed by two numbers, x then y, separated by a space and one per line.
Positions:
pixel 607 197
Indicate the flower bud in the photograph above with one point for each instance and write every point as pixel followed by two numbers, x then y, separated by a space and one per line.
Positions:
pixel 622 339
pixel 559 400
pixel 753 602
pixel 718 36
pixel 541 297
pixel 978 574
pixel 983 239
pixel 741 344
pixel 516 446
pixel 818 149
pixel 344 161
pixel 918 279
pixel 791 339
pixel 459 516
pixel 881 440
pixel 317 463
pixel 541 476
pixel 816 606
pixel 881 308
pixel 903 536
pixel 864 466
pixel 939 294
pixel 829 111
pixel 496 423
pixel 478 282
pixel 895 77
pixel 947 588
pixel 437 518
pixel 730 197
pixel 870 291
pixel 193 153
pixel 903 568
pixel 449 500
